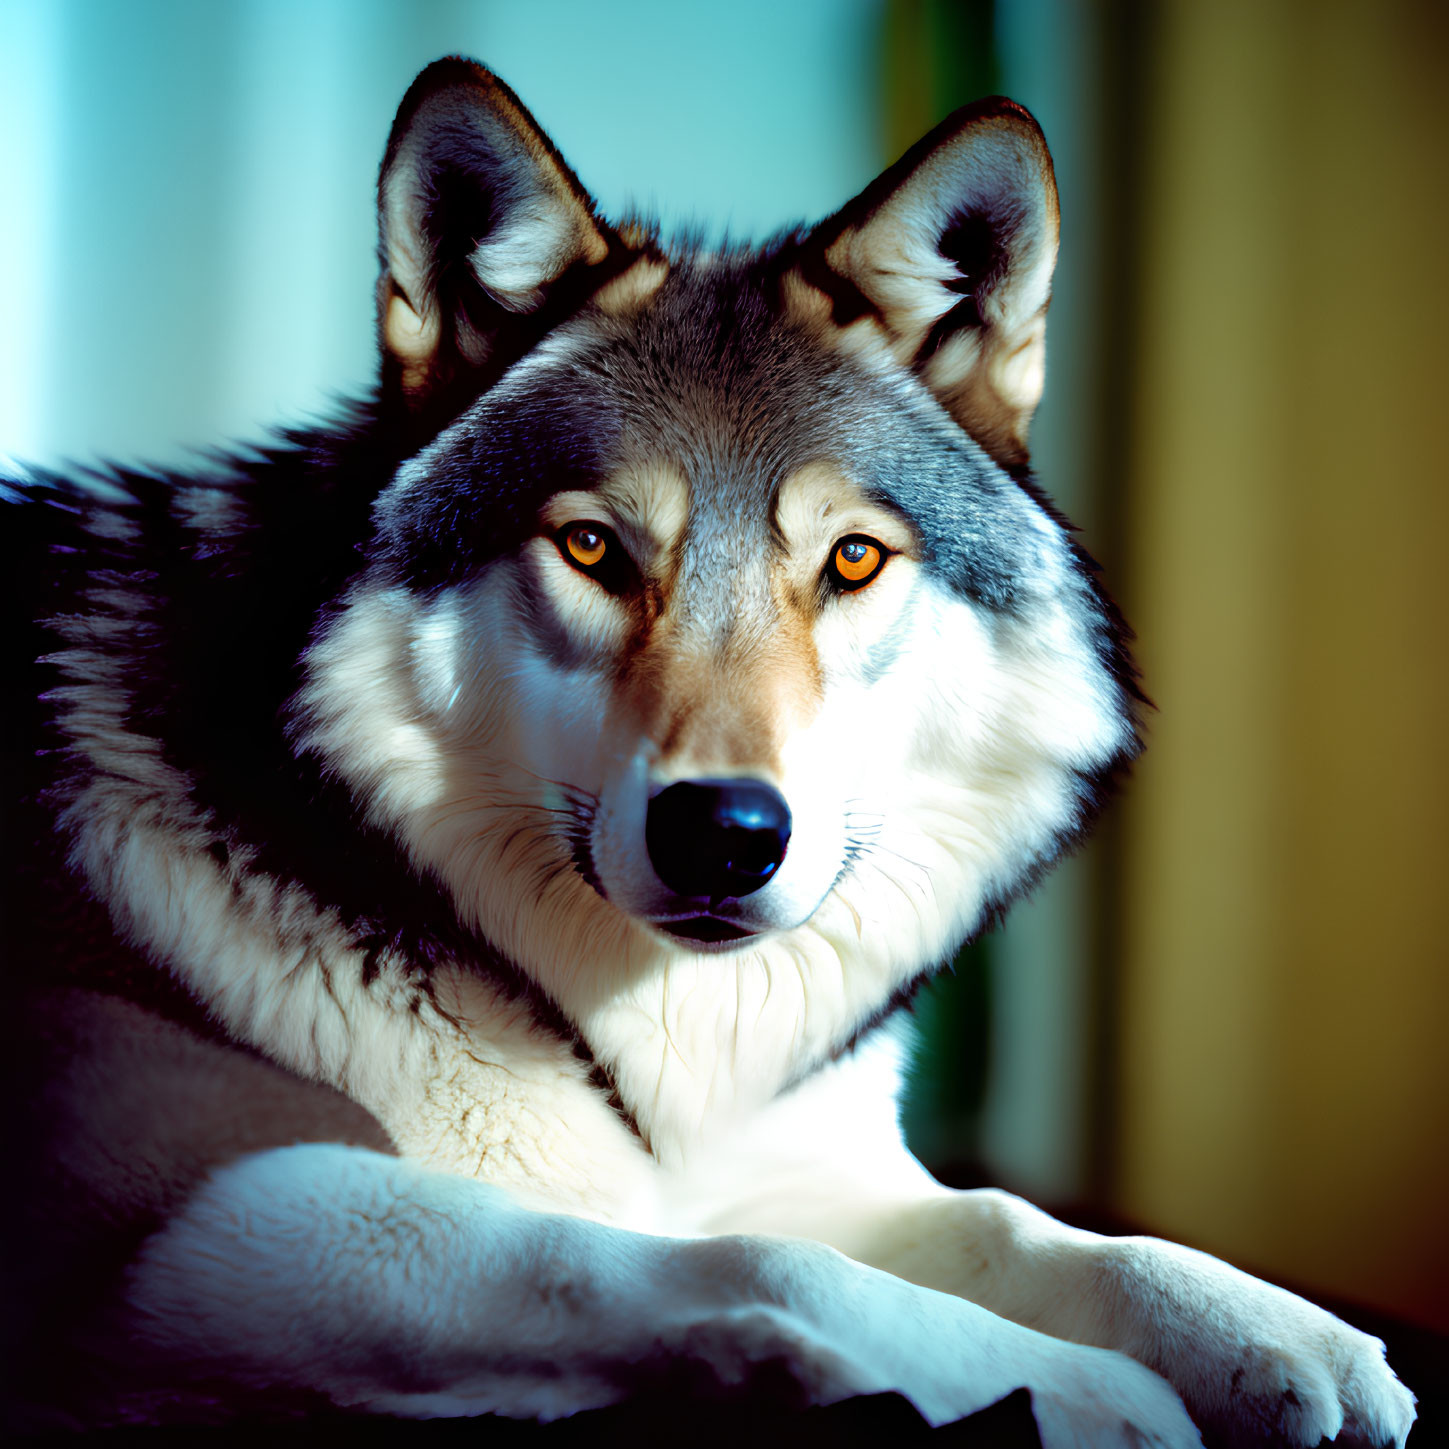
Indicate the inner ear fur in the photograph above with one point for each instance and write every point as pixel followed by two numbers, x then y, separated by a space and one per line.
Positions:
pixel 481 228
pixel 951 253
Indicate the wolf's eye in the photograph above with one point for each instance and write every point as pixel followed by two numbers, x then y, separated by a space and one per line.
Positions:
pixel 594 550
pixel 855 562
pixel 585 544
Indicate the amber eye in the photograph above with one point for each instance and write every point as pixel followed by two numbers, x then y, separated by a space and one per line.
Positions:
pixel 594 549
pixel 856 561
pixel 585 544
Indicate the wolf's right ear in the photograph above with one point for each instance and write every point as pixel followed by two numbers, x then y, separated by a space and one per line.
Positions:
pixel 481 226
pixel 950 254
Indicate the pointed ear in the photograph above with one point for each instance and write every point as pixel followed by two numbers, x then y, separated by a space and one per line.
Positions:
pixel 480 224
pixel 951 253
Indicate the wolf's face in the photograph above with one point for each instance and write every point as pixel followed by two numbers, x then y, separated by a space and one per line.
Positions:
pixel 716 622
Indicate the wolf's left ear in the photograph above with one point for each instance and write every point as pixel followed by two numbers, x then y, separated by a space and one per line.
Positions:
pixel 951 252
pixel 481 227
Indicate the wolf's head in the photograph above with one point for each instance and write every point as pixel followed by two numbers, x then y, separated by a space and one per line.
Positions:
pixel 714 632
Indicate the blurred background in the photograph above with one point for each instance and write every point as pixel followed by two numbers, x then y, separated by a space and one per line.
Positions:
pixel 1225 1021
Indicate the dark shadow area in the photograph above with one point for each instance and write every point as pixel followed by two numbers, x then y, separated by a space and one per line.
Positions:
pixel 881 1420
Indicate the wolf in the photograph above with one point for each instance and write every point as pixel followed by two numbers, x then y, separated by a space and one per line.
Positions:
pixel 468 859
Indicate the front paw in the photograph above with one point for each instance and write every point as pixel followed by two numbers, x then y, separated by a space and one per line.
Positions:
pixel 1331 1385
pixel 1253 1363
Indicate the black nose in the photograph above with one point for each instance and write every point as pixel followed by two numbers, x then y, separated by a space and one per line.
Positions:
pixel 717 838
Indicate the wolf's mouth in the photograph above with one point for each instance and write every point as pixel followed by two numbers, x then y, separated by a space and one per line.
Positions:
pixel 709 930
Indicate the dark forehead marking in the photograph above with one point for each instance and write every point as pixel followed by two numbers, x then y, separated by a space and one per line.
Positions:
pixel 710 375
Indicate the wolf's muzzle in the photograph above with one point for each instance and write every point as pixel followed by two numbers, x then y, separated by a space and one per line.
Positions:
pixel 717 839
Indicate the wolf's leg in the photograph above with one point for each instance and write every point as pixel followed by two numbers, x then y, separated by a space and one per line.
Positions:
pixel 1253 1363
pixel 393 1287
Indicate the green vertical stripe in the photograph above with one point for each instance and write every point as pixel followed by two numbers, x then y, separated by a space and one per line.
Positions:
pixel 935 55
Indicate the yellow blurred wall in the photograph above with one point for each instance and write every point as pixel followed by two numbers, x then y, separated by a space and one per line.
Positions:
pixel 1282 1065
